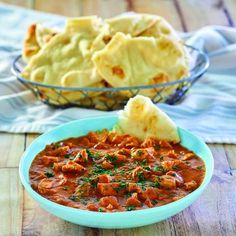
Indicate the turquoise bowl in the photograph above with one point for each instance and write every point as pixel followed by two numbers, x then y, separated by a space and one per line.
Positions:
pixel 118 219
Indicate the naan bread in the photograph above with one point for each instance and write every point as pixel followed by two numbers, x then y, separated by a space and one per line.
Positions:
pixel 44 35
pixel 142 119
pixel 37 36
pixel 129 61
pixel 141 25
pixel 66 59
pixel 30 46
pixel 129 50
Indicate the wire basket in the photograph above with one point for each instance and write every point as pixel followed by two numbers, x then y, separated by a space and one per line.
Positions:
pixel 114 98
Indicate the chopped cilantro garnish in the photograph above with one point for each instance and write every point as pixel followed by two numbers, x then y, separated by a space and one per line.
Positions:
pixel 142 185
pixel 100 209
pixel 84 202
pixel 154 202
pixel 74 198
pixel 65 188
pixel 143 162
pixel 161 158
pixel 121 186
pixel 158 147
pixel 139 152
pixel 122 172
pixel 155 185
pixel 199 167
pixel 56 145
pixel 141 176
pixel 48 174
pixel 175 168
pixel 130 208
pixel 128 194
pixel 146 168
pixel 111 158
pixel 93 156
pixel 98 169
pixel 83 180
pixel 159 168
pixel 69 156
pixel 94 183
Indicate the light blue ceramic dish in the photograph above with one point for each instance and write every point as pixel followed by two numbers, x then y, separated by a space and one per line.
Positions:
pixel 110 220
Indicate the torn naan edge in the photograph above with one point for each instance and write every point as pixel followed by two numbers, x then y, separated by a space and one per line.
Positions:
pixel 30 46
pixel 141 25
pixel 44 34
pixel 66 59
pixel 37 36
pixel 128 61
pixel 142 119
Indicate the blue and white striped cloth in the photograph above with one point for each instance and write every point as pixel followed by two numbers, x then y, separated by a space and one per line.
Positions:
pixel 209 110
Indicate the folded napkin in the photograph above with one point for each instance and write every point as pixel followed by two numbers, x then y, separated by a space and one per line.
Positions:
pixel 209 109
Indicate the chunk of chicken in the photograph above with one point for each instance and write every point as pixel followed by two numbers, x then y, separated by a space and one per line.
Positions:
pixel 47 185
pixel 72 166
pixel 141 154
pixel 133 201
pixel 109 202
pixel 167 181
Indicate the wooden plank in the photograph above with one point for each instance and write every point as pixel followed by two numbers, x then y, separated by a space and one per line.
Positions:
pixel 230 10
pixel 165 9
pixel 11 202
pixel 70 8
pixel 37 221
pixel 198 14
pixel 20 3
pixel 230 151
pixel 104 8
pixel 30 138
pixel 214 213
pixel 12 147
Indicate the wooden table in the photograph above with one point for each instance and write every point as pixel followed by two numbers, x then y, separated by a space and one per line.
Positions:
pixel 214 213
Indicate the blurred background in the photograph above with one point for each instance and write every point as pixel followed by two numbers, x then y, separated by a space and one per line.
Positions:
pixel 186 15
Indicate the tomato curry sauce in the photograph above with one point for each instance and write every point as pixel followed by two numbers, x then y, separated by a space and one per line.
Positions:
pixel 107 172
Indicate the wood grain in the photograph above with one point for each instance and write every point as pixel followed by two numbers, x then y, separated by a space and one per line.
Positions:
pixel 30 138
pixel 198 14
pixel 165 9
pixel 104 8
pixel 11 202
pixel 21 3
pixel 70 8
pixel 37 221
pixel 12 147
pixel 231 154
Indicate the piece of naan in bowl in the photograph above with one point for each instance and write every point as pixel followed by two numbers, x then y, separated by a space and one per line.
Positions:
pixel 66 59
pixel 137 61
pixel 142 119
pixel 37 36
pixel 141 25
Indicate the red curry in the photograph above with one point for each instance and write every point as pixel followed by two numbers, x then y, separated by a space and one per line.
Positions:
pixel 107 172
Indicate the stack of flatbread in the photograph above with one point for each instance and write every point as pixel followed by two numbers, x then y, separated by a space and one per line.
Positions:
pixel 129 50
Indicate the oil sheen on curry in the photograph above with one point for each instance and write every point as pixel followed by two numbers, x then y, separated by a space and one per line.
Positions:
pixel 108 172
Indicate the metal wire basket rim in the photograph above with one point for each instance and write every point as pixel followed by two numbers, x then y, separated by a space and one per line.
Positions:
pixel 15 70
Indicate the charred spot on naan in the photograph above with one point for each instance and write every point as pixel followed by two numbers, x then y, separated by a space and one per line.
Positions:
pixel 31 46
pixel 37 36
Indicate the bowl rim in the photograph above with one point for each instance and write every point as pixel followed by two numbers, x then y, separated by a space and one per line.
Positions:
pixel 205 60
pixel 37 197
